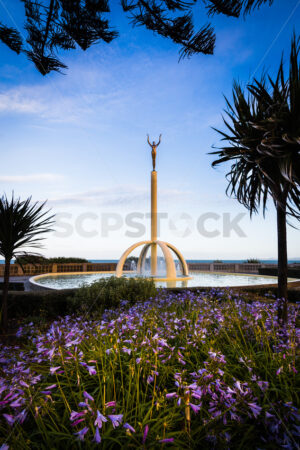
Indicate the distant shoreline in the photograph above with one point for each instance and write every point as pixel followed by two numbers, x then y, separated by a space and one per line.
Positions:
pixel 210 261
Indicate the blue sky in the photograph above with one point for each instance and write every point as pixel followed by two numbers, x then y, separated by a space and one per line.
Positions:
pixel 79 140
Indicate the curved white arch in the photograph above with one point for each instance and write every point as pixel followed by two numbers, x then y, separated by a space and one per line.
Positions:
pixel 142 258
pixel 184 266
pixel 170 264
pixel 166 249
pixel 120 265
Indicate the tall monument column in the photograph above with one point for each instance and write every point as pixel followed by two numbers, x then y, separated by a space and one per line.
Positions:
pixel 153 207
pixel 153 244
pixel 153 222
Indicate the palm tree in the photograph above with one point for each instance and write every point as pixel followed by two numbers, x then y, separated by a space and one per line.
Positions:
pixel 22 224
pixel 263 145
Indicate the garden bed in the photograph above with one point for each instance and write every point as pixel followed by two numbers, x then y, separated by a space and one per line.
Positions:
pixel 186 370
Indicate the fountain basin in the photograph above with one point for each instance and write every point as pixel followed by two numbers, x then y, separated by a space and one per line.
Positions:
pixel 73 280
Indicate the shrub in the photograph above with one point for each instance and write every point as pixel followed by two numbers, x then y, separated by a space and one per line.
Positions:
pixel 253 261
pixel 46 304
pixel 109 292
pixel 38 259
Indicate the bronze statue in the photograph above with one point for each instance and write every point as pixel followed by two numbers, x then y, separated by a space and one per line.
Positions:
pixel 154 147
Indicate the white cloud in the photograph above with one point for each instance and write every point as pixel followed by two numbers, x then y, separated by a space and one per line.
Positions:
pixel 43 102
pixel 118 196
pixel 30 178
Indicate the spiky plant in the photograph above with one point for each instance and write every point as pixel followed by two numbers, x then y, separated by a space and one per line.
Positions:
pixel 22 225
pixel 263 144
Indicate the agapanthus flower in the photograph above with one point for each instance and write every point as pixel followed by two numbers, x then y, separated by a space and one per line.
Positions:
pixel 129 427
pixel 171 395
pixel 110 404
pixel 20 418
pixel 256 410
pixel 76 422
pixel 76 415
pixel 166 441
pixel 116 419
pixel 195 408
pixel 54 369
pixel 97 437
pixel 4 447
pixel 88 396
pixel 83 405
pixel 126 350
pixel 146 431
pixel 100 419
pixel 80 434
pixel 10 419
pixel 53 386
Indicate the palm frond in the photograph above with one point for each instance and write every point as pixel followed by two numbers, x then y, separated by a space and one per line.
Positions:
pixel 23 224
pixel 263 139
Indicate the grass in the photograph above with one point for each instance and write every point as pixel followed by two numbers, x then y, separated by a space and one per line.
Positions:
pixel 188 371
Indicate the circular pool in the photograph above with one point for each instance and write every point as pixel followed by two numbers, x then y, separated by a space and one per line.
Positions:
pixel 199 279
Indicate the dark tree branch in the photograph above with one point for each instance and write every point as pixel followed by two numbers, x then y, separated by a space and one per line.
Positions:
pixel 54 25
pixel 11 38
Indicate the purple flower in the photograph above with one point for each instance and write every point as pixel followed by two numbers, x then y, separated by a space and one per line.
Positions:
pixel 51 387
pixel 16 404
pixel 21 416
pixel 100 419
pixel 97 437
pixel 75 415
pixel 92 370
pixel 80 434
pixel 116 419
pixel 138 360
pixel 77 422
pixel 145 433
pixel 88 396
pixel 255 409
pixel 171 395
pixel 165 441
pixel 54 369
pixel 126 350
pixel 10 419
pixel 195 408
pixel 83 405
pixel 108 404
pixel 129 427
pixel 4 447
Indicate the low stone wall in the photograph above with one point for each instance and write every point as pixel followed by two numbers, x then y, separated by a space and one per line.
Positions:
pixel 38 269
pixel 229 267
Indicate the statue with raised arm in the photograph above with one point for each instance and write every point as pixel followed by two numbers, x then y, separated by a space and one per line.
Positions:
pixel 154 147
